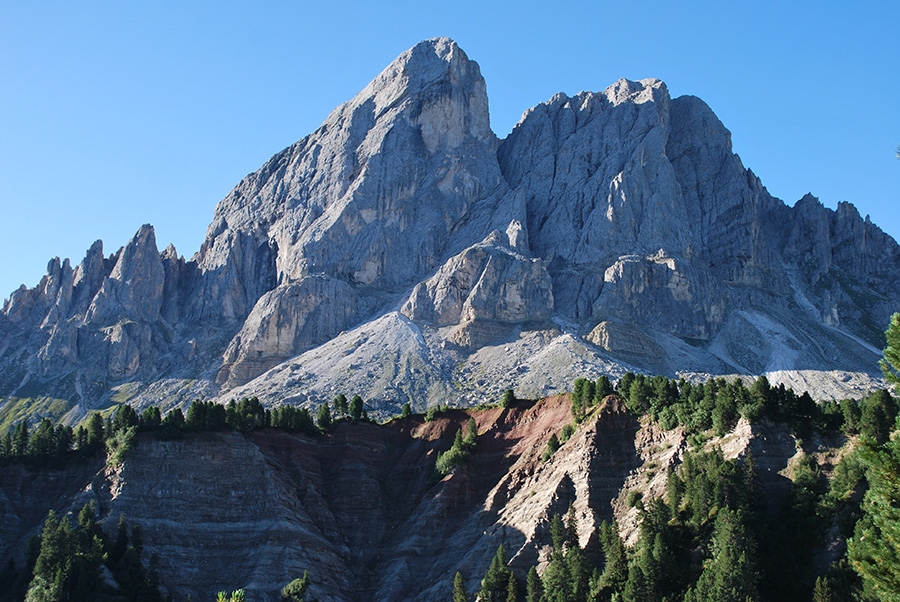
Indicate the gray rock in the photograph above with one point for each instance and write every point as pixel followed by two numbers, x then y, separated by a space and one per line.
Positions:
pixel 468 264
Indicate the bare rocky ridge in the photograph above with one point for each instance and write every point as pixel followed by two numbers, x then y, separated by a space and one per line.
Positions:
pixel 360 508
pixel 402 252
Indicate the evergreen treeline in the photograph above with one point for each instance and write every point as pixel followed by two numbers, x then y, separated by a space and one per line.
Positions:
pixel 47 444
pixel 718 404
pixel 66 560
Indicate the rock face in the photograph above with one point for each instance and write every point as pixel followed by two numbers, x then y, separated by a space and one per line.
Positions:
pixel 359 508
pixel 609 231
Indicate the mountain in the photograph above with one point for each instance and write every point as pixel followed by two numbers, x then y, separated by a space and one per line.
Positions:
pixel 401 251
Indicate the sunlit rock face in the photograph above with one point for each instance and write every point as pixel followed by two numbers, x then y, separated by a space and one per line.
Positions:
pixel 403 251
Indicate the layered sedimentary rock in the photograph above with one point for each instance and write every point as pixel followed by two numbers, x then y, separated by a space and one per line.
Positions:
pixel 603 213
pixel 361 509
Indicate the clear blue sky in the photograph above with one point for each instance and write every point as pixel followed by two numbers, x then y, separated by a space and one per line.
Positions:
pixel 116 114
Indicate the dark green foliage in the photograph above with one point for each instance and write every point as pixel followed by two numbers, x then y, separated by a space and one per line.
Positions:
pixel 356 408
pixel 534 590
pixel 460 452
pixel 432 412
pixel 623 387
pixel 125 418
pixel 459 588
pixel 638 399
pixel 341 408
pixel 512 588
pixel 14 581
pixel 70 557
pixel 119 443
pixel 45 445
pixel 294 419
pixel 878 411
pixel 890 364
pixel 822 591
pixel 323 418
pixel 874 550
pixel 247 415
pixel 174 419
pixel 68 565
pixel 508 399
pixel 96 436
pixel 566 576
pixel 406 410
pixel 788 539
pixel 582 397
pixel 496 581
pixel 705 482
pixel 852 416
pixel 209 416
pixel 602 389
pixel 615 568
pixel 151 419
pixel 471 433
pixel 729 574
pixel 552 445
pixel 296 590
pixel 829 417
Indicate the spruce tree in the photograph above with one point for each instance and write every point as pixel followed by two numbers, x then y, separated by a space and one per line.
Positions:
pixel 323 419
pixel 874 550
pixel 615 569
pixel 602 388
pixel 729 574
pixel 534 590
pixel 459 588
pixel 890 364
pixel 295 591
pixel 512 589
pixel 356 408
pixel 496 581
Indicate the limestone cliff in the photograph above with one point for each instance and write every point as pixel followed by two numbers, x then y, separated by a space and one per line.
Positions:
pixel 609 231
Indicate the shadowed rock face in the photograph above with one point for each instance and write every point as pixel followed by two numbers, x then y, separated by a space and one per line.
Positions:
pixel 623 210
pixel 359 508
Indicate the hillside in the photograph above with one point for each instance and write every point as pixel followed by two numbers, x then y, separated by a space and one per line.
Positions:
pixel 363 510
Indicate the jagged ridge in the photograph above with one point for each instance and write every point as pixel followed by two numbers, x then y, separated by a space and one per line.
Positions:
pixel 609 230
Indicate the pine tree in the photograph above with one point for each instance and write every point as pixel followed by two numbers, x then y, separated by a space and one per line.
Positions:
pixel 874 550
pixel 512 589
pixel 323 418
pixel 729 575
pixel 340 405
pixel 459 588
pixel 822 591
pixel 615 569
pixel 534 589
pixel 890 364
pixel 295 591
pixel 471 434
pixel 602 388
pixel 356 408
pixel 552 447
pixel 496 580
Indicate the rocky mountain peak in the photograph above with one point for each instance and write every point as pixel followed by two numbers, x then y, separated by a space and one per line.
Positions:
pixel 402 250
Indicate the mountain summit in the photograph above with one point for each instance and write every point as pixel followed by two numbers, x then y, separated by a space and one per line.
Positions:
pixel 402 252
